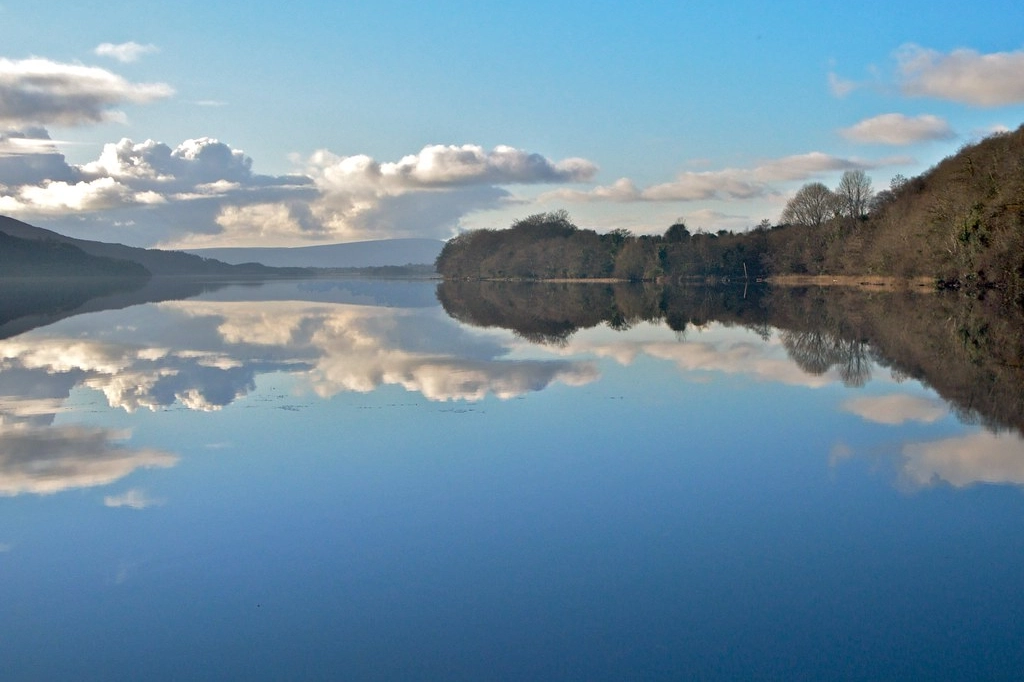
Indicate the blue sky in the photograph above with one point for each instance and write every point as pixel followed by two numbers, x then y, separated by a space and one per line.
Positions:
pixel 192 124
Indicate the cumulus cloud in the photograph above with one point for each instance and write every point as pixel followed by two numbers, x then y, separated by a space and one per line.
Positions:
pixel 203 192
pixel 445 166
pixel 124 52
pixel 898 129
pixel 148 183
pixel 29 157
pixel 440 165
pixel 359 197
pixel 58 197
pixel 25 141
pixel 40 92
pixel 155 164
pixel 47 460
pixel 896 409
pixel 963 75
pixel 729 183
pixel 133 499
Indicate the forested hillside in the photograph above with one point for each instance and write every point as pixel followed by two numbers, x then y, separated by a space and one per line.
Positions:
pixel 961 224
pixel 51 258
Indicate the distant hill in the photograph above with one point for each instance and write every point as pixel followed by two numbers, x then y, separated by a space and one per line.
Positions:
pixel 51 258
pixel 366 254
pixel 155 261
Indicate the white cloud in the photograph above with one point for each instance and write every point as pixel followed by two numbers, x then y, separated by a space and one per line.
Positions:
pixel 981 457
pixel 422 194
pixel 445 166
pixel 193 162
pixel 898 129
pixel 896 409
pixel 276 224
pixel 840 87
pixel 811 164
pixel 28 141
pixel 711 220
pixel 133 499
pixel 175 189
pixel 124 52
pixel 963 75
pixel 29 157
pixel 436 165
pixel 60 197
pixel 203 192
pixel 39 92
pixel 692 186
pixel 729 183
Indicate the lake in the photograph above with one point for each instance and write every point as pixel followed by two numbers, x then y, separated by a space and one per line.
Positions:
pixel 376 480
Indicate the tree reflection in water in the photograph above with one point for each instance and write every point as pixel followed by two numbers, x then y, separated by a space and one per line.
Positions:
pixel 816 352
pixel 970 350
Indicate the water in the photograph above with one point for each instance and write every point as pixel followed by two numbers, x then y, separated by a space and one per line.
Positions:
pixel 339 480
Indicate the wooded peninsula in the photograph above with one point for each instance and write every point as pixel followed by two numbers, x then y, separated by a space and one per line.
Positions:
pixel 960 225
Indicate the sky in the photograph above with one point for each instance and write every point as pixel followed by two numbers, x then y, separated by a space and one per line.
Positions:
pixel 193 124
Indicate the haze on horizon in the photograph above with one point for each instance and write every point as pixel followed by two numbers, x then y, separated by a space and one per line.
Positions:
pixel 192 126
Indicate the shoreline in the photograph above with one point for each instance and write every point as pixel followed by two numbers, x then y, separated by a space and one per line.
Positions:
pixel 873 281
pixel 859 281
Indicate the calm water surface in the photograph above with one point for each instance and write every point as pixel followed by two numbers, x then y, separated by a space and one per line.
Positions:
pixel 320 480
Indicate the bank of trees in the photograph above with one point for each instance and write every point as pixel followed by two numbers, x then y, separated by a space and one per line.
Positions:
pixel 961 223
pixel 550 246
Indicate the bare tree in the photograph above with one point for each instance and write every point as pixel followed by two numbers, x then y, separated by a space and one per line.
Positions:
pixel 813 204
pixel 854 191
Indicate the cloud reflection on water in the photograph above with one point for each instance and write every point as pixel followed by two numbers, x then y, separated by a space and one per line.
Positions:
pixel 896 408
pixel 51 459
pixel 332 348
pixel 360 348
pixel 206 354
pixel 716 348
pixel 133 499
pixel 960 461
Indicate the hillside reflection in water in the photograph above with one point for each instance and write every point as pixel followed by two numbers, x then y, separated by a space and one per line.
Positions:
pixel 540 480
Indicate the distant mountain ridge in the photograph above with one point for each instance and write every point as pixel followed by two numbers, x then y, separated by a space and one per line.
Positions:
pixel 35 241
pixel 374 253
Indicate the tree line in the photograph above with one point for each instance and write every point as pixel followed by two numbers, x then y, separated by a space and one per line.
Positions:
pixel 961 223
